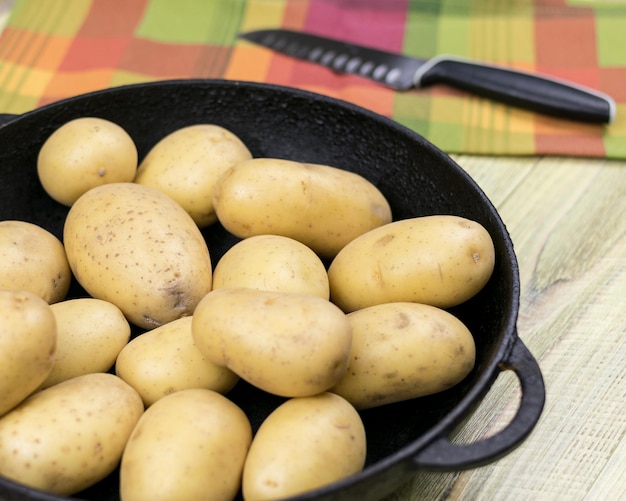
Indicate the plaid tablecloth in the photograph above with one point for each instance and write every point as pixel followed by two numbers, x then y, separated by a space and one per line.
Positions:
pixel 52 49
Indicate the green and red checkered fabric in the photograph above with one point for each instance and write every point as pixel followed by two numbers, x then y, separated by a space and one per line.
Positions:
pixel 52 49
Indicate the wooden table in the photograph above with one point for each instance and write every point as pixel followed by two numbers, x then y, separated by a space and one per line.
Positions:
pixel 567 220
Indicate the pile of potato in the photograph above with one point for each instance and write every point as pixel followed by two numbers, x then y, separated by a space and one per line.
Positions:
pixel 325 301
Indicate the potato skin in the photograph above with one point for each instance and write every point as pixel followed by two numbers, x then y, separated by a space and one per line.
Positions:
pixel 319 205
pixel 28 336
pixel 273 263
pixel 305 443
pixel 34 260
pixel 188 162
pixel 137 248
pixel 189 445
pixel 90 334
pixel 84 153
pixel 284 343
pixel 69 436
pixel 165 360
pixel 438 260
pixel 402 351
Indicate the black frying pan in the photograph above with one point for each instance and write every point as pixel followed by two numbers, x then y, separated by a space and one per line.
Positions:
pixel 417 179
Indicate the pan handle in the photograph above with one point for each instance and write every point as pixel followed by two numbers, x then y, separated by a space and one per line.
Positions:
pixel 443 455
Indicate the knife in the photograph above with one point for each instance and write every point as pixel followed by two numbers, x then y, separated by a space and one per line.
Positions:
pixel 531 91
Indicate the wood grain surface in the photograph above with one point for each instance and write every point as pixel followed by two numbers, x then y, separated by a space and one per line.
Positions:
pixel 567 220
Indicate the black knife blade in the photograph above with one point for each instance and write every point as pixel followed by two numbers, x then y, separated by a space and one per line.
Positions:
pixel 538 93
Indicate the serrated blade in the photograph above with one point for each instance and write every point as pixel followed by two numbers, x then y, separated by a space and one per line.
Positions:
pixel 393 70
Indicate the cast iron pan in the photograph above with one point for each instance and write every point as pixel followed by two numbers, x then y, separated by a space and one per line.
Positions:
pixel 417 179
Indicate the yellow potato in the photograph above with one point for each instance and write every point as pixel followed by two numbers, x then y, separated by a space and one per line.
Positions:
pixel 90 334
pixel 137 248
pixel 274 263
pixel 304 444
pixel 68 437
pixel 187 163
pixel 33 259
pixel 85 153
pixel 28 336
pixel 284 343
pixel 321 206
pixel 402 351
pixel 165 360
pixel 438 260
pixel 189 445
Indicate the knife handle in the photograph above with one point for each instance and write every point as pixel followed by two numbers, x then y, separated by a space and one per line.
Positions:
pixel 531 91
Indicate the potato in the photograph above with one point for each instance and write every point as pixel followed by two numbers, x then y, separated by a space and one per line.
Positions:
pixel 90 334
pixel 402 351
pixel 165 360
pixel 189 445
pixel 284 343
pixel 137 248
pixel 28 336
pixel 273 263
pixel 82 154
pixel 438 260
pixel 68 437
pixel 187 163
pixel 321 206
pixel 305 443
pixel 33 259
